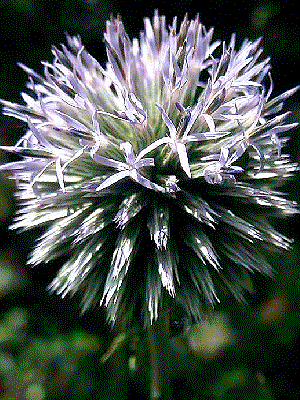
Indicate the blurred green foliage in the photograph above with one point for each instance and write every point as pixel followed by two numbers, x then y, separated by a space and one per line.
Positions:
pixel 47 351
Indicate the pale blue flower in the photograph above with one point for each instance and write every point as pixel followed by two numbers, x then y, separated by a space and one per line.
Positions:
pixel 149 181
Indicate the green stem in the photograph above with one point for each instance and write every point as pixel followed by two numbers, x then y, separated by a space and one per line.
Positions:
pixel 159 346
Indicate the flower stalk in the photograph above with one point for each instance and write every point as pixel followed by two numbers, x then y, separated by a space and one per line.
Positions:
pixel 159 348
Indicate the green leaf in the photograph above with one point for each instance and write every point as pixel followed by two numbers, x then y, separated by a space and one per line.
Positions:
pixel 116 344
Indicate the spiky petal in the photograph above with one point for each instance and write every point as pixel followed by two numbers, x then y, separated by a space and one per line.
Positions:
pixel 148 181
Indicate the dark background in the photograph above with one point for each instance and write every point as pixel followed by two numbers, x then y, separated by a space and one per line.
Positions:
pixel 45 335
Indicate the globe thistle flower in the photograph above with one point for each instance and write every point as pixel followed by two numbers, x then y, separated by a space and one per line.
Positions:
pixel 150 181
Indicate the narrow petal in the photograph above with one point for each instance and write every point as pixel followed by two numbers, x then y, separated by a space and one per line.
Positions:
pixel 145 162
pixel 128 150
pixel 183 158
pixel 158 224
pixel 41 138
pixel 199 137
pixel 113 179
pixel 145 182
pixel 129 207
pixel 152 147
pixel 109 162
pixel 72 122
pixel 224 155
pixel 126 247
pixel 165 270
pixel 59 174
pixel 25 165
pixel 167 121
pixel 194 115
pixel 202 246
pixel 210 122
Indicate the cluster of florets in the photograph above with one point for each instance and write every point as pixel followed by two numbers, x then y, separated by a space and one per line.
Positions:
pixel 148 179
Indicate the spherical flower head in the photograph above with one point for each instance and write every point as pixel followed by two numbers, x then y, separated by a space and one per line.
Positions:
pixel 148 180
